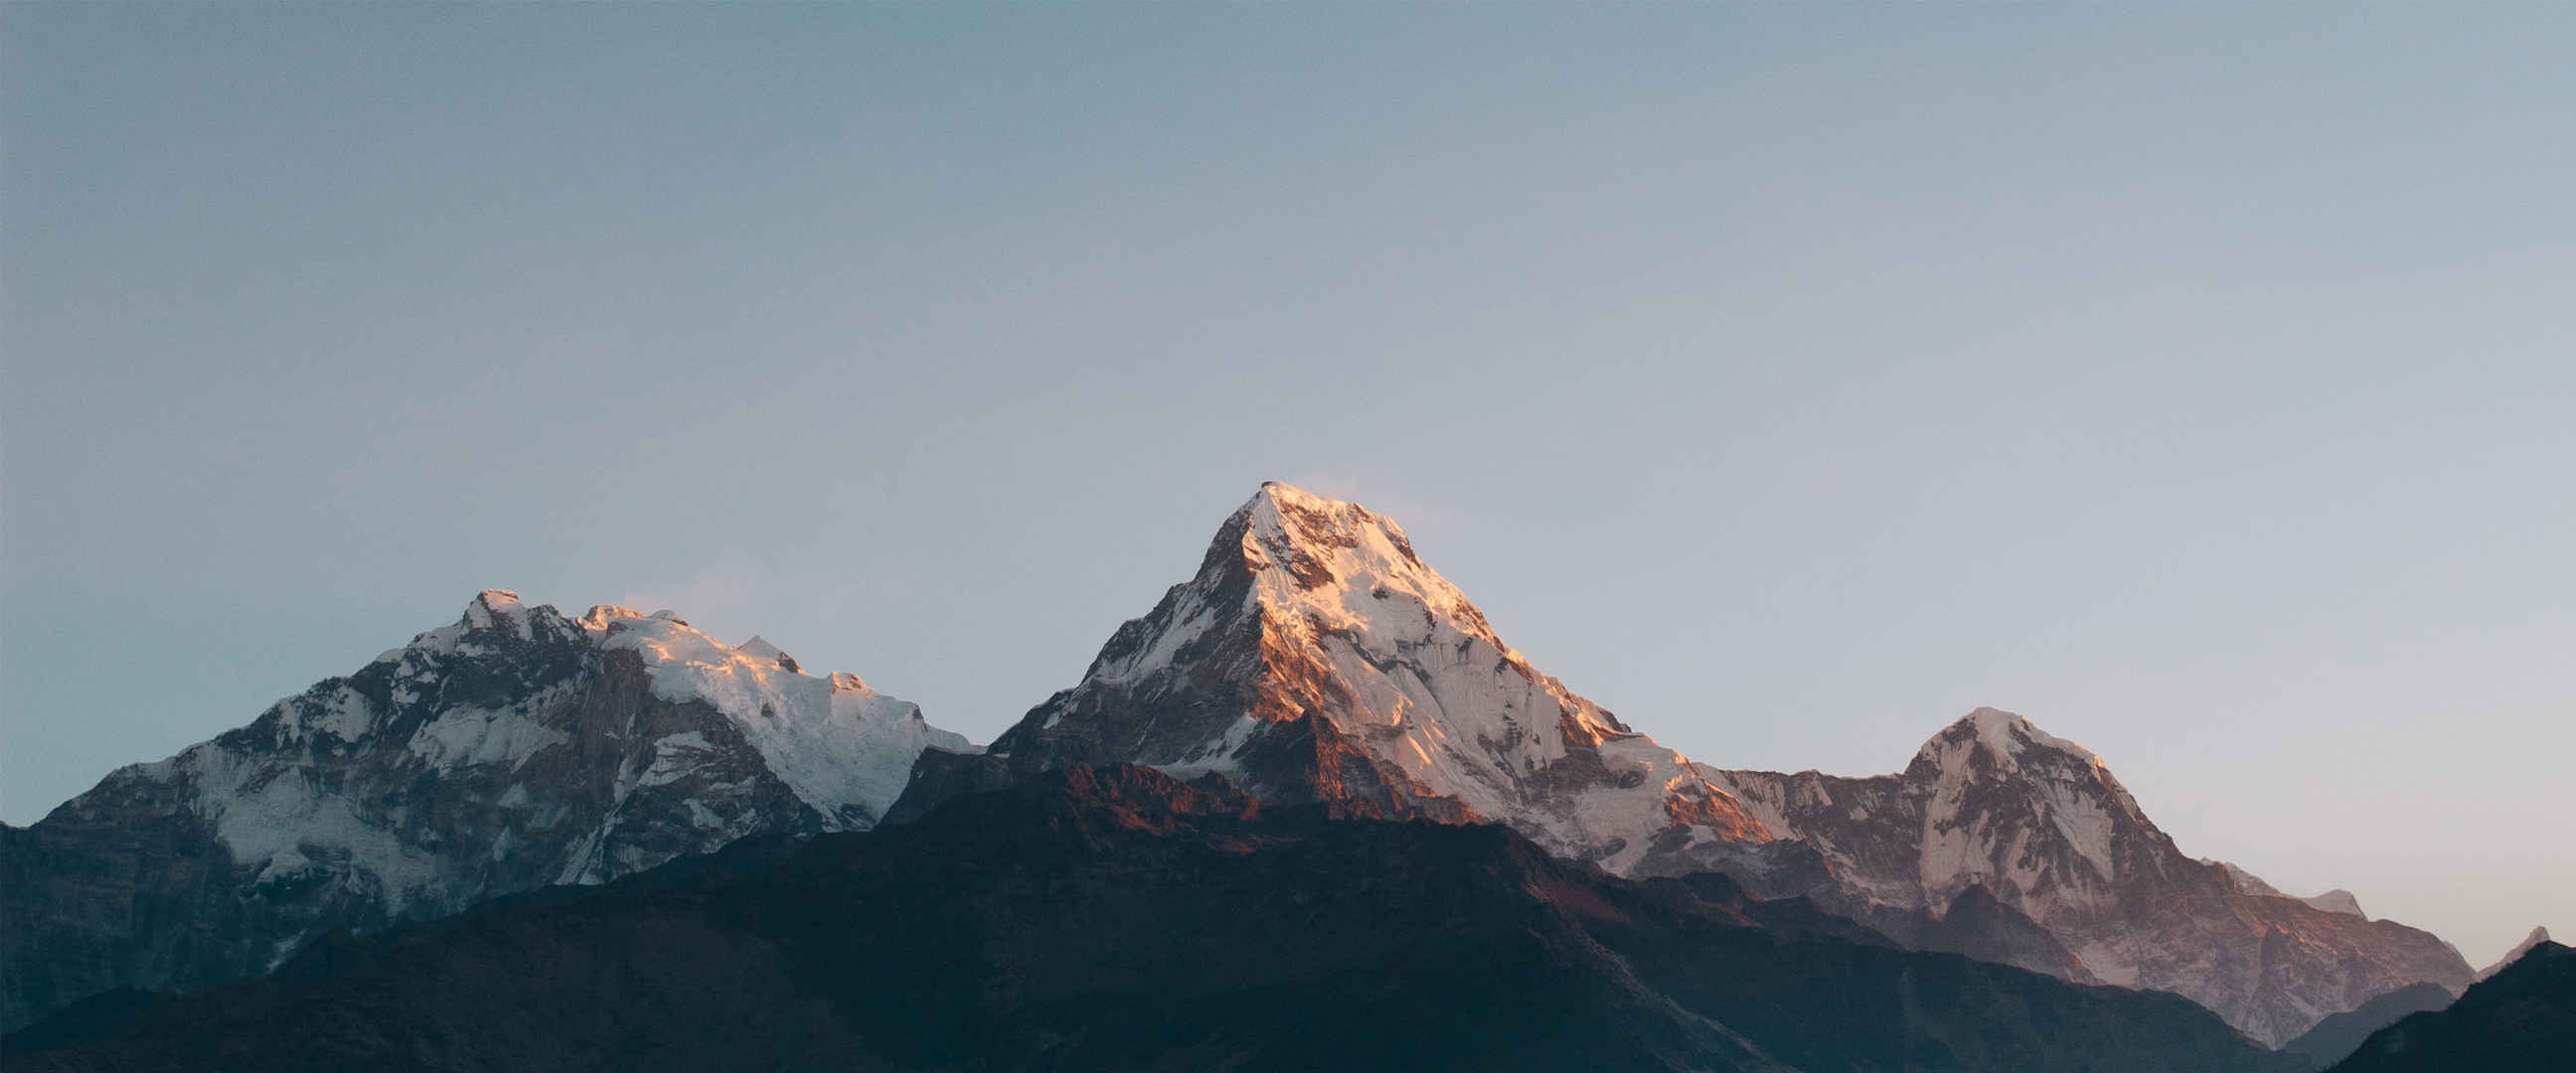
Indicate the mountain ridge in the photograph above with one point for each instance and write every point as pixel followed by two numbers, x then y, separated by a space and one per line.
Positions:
pixel 1117 917
pixel 513 748
pixel 2041 822
pixel 2519 1020
pixel 2538 936
pixel 1315 657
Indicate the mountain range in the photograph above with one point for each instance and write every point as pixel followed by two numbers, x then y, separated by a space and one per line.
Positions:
pixel 512 749
pixel 1315 657
pixel 1115 917
pixel 1313 664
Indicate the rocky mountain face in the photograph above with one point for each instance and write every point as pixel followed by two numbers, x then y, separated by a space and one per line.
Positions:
pixel 1994 803
pixel 1315 658
pixel 1118 918
pixel 512 749
pixel 2520 1020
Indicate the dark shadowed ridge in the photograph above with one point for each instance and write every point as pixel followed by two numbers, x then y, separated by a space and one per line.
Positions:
pixel 2339 1035
pixel 2521 1020
pixel 1115 917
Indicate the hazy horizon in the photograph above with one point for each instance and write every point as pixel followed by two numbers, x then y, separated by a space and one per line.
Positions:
pixel 1790 381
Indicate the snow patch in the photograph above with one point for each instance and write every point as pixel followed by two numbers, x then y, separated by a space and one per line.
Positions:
pixel 1215 754
pixel 702 817
pixel 460 737
pixel 675 757
pixel 273 825
pixel 836 743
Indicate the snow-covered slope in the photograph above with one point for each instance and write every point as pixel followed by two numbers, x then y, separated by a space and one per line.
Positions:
pixel 1994 802
pixel 511 749
pixel 1315 657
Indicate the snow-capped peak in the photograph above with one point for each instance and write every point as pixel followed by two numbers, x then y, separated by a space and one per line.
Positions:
pixel 1337 567
pixel 2041 825
pixel 1987 775
pixel 1315 653
pixel 599 615
pixel 508 749
pixel 489 610
pixel 1306 565
pixel 760 648
pixel 839 746
pixel 1327 544
pixel 2004 737
pixel 496 608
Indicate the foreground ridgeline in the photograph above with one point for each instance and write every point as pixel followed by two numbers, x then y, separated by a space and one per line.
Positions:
pixel 512 749
pixel 1315 664
pixel 1117 918
pixel 2521 1019
pixel 2537 937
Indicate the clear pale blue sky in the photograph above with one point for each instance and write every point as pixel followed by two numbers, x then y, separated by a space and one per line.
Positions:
pixel 1791 378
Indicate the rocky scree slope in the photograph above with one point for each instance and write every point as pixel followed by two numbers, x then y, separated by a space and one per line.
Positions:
pixel 512 749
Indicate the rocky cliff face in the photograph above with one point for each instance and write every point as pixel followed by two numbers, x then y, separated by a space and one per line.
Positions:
pixel 1994 803
pixel 1315 658
pixel 512 749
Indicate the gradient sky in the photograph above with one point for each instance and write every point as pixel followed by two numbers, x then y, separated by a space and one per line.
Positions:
pixel 1789 378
